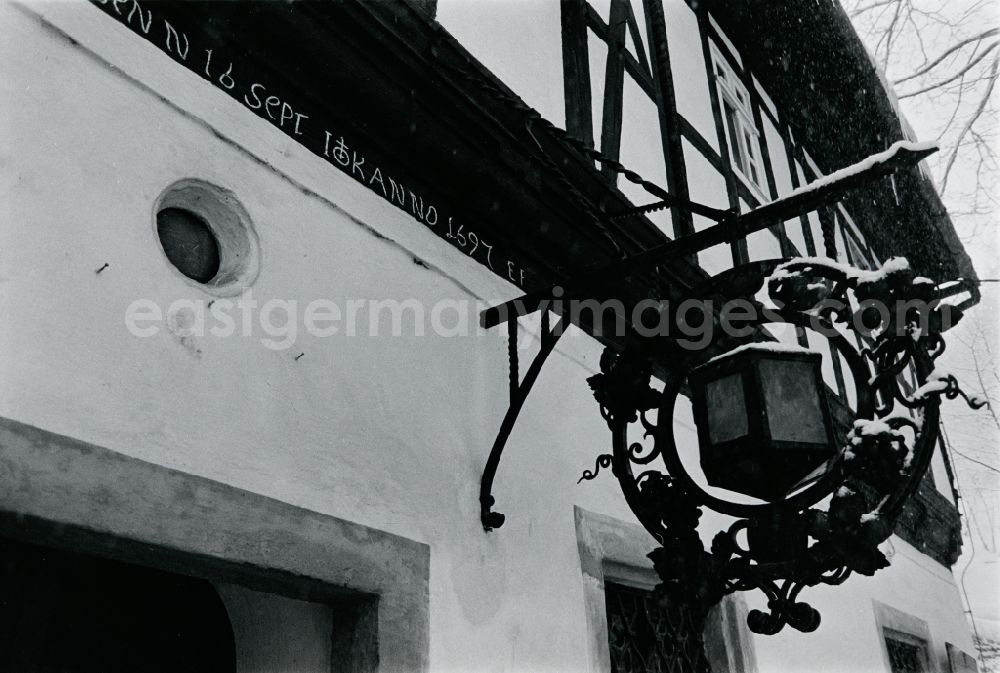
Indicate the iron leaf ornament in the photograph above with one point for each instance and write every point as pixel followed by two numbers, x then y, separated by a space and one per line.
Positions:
pixel 622 388
pixel 883 323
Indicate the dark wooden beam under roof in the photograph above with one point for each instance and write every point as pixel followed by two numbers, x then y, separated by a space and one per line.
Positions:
pixel 403 92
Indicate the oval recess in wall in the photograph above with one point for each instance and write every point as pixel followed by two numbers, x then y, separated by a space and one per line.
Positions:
pixel 206 235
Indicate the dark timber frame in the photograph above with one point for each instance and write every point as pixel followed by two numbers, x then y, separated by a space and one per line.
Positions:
pixel 652 74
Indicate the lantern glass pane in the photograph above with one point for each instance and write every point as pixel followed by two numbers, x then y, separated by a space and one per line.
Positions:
pixel 727 408
pixel 792 401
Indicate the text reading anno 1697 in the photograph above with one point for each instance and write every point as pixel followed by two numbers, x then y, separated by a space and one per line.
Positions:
pixel 306 130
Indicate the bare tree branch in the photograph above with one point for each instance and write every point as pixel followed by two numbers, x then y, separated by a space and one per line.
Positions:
pixel 968 125
pixel 966 68
pixel 948 52
pixel 875 5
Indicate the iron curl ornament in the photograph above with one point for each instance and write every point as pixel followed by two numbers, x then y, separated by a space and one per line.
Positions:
pixel 881 323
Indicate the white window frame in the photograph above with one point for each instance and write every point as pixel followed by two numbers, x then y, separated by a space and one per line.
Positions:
pixel 744 151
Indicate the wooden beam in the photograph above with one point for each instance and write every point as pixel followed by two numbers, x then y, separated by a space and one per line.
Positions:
pixel 901 155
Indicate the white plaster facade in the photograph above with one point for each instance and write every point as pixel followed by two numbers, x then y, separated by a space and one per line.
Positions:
pixel 390 432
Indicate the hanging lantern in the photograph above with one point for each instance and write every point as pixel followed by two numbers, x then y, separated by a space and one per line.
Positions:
pixel 762 417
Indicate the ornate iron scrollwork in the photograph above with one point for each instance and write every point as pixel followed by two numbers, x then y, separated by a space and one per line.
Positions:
pixel 790 544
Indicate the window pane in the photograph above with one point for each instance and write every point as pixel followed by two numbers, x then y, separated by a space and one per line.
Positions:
pixel 642 637
pixel 751 158
pixel 734 138
pixel 905 657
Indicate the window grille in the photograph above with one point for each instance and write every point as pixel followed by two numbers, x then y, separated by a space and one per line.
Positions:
pixel 643 637
pixel 906 653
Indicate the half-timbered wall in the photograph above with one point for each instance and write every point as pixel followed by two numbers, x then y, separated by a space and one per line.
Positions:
pixel 708 131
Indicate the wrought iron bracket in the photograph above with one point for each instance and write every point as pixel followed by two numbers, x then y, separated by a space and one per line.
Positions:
pixel 519 390
pixel 730 225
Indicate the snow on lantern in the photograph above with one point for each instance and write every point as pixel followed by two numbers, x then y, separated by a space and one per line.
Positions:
pixel 762 418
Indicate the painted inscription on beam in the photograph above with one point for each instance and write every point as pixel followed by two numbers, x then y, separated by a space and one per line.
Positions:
pixel 307 130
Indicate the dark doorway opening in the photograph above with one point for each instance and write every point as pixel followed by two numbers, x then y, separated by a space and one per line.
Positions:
pixel 63 612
